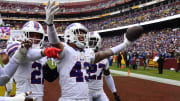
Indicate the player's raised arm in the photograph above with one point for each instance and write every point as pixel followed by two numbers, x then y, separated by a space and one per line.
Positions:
pixel 35 54
pixel 20 53
pixel 131 35
pixel 51 10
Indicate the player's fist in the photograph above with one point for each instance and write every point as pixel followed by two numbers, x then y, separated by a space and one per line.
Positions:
pixel 52 52
pixel 133 33
pixel 26 44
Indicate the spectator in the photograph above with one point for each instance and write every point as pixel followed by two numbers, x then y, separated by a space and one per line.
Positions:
pixel 119 58
pixel 178 62
pixel 160 64
pixel 128 59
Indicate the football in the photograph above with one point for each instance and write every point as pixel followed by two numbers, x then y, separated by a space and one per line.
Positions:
pixel 134 33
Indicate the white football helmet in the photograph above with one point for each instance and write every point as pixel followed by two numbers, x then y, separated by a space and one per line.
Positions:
pixel 72 34
pixel 33 26
pixel 94 41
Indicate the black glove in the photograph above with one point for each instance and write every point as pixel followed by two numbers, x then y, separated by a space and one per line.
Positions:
pixel 116 97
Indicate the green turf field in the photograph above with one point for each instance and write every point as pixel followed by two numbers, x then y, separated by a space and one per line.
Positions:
pixel 168 74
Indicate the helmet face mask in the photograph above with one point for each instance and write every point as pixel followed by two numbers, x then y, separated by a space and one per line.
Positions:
pixel 76 33
pixel 34 31
pixel 94 41
pixel 34 37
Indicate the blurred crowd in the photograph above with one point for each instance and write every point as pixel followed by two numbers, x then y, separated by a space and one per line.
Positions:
pixel 91 7
pixel 33 8
pixel 127 19
pixel 122 19
pixel 165 41
pixel 136 17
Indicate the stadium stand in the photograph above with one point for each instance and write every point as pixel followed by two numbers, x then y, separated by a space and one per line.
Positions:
pixel 102 15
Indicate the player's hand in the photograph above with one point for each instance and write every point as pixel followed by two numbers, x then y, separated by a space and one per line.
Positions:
pixel 20 54
pixel 52 52
pixel 22 97
pixel 116 97
pixel 133 33
pixel 50 9
pixel 25 45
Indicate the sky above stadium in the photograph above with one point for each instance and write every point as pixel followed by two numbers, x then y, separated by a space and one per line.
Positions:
pixel 43 1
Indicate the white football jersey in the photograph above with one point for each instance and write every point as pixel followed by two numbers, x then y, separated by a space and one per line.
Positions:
pixel 29 77
pixel 96 74
pixel 72 72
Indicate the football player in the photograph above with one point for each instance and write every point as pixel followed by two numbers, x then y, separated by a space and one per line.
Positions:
pixel 74 58
pixel 7 72
pixel 96 71
pixel 29 75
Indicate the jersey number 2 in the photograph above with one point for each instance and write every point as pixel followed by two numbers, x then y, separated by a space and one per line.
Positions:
pixel 93 69
pixel 37 72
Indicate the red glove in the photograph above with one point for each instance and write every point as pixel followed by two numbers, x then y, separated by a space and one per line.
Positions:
pixel 52 52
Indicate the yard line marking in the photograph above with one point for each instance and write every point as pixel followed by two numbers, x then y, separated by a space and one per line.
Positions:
pixel 145 77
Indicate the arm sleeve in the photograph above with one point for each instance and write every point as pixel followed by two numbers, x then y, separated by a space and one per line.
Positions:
pixel 118 48
pixel 8 71
pixel 50 75
pixel 34 54
pixel 107 64
pixel 52 36
pixel 110 83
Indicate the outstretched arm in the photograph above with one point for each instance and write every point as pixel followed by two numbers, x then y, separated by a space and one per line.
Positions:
pixel 35 54
pixel 132 34
pixel 7 72
pixel 109 52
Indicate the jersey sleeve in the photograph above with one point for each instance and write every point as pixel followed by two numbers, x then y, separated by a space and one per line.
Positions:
pixel 34 54
pixel 106 64
pixel 3 77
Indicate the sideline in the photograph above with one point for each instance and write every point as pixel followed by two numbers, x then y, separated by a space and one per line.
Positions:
pixel 145 77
